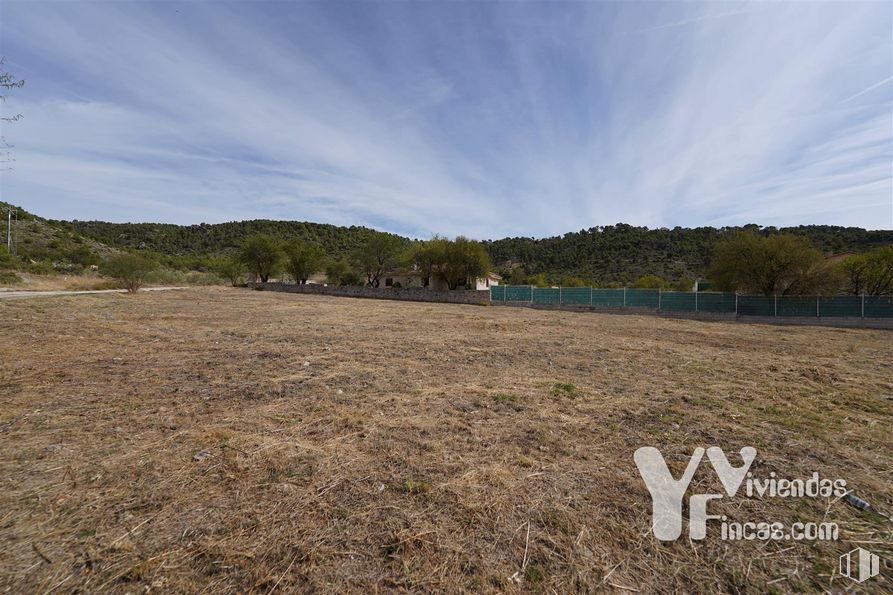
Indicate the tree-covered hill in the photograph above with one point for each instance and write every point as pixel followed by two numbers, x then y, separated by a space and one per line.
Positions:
pixel 622 253
pixel 611 254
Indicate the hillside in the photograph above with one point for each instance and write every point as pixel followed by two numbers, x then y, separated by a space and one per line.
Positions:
pixel 611 254
pixel 615 253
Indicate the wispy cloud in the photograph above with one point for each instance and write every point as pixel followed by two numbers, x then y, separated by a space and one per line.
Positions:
pixel 489 120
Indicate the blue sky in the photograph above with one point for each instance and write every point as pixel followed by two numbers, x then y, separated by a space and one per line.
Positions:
pixel 481 118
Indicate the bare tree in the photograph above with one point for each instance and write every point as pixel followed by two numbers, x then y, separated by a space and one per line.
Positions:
pixel 8 82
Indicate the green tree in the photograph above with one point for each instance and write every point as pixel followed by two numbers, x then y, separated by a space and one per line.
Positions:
pixel 538 280
pixel 573 282
pixel 303 259
pixel 651 282
pixel 380 253
pixel 339 272
pixel 230 268
pixel 684 284
pixel 130 269
pixel 429 257
pixel 464 261
pixel 262 255
pixel 870 273
pixel 779 264
pixel 517 277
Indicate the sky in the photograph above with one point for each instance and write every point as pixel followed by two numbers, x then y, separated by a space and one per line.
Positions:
pixel 488 119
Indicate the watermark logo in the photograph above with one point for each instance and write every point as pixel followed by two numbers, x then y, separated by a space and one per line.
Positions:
pixel 668 493
pixel 859 565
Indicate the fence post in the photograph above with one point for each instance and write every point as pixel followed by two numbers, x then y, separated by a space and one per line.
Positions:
pixel 531 294
pixel 559 296
pixel 658 298
pixel 624 297
pixel 863 305
pixel 736 304
pixel 696 301
pixel 775 307
pixel 590 296
pixel 817 314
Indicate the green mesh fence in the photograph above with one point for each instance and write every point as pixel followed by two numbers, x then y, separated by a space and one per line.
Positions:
pixel 546 295
pixel 610 298
pixel 878 306
pixel 677 301
pixel 642 298
pixel 841 305
pixel 576 296
pixel 681 301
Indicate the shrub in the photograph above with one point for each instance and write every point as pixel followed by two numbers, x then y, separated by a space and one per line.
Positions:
pixel 130 270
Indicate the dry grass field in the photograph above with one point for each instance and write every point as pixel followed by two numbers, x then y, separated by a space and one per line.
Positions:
pixel 222 440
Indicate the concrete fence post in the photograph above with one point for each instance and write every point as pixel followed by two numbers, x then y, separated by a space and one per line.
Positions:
pixel 531 294
pixel 696 301
pixel 775 306
pixel 658 298
pixel 817 314
pixel 736 304
pixel 863 305
pixel 590 296
pixel 624 297
pixel 559 296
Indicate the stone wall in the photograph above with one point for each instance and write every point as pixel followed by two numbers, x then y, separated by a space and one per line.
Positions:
pixel 412 294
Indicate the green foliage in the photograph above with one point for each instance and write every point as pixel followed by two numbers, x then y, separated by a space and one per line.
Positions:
pixel 538 280
pixel 684 284
pixel 517 277
pixel 615 255
pixel 870 273
pixel 569 281
pixel 9 278
pixel 339 272
pixel 262 255
pixel 380 253
pixel 651 282
pixel 303 259
pixel 82 255
pixel 464 260
pixel 428 257
pixel 6 259
pixel 231 268
pixel 781 264
pixel 130 269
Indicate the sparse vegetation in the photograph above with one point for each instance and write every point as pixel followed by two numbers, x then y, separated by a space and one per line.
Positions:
pixel 131 270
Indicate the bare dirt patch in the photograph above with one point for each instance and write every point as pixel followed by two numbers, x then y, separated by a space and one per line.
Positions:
pixel 233 440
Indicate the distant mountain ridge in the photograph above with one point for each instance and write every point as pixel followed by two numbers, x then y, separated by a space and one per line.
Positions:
pixel 608 254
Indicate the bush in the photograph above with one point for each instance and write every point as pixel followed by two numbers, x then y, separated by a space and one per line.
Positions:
pixel 230 268
pixel 131 270
pixel 9 278
pixel 651 282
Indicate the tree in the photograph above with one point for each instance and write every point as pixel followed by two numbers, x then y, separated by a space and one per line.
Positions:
pixel 780 264
pixel 338 272
pixel 428 257
pixel 464 260
pixel 379 254
pixel 7 83
pixel 230 268
pixel 651 282
pixel 303 259
pixel 573 282
pixel 870 273
pixel 517 277
pixel 262 254
pixel 130 269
